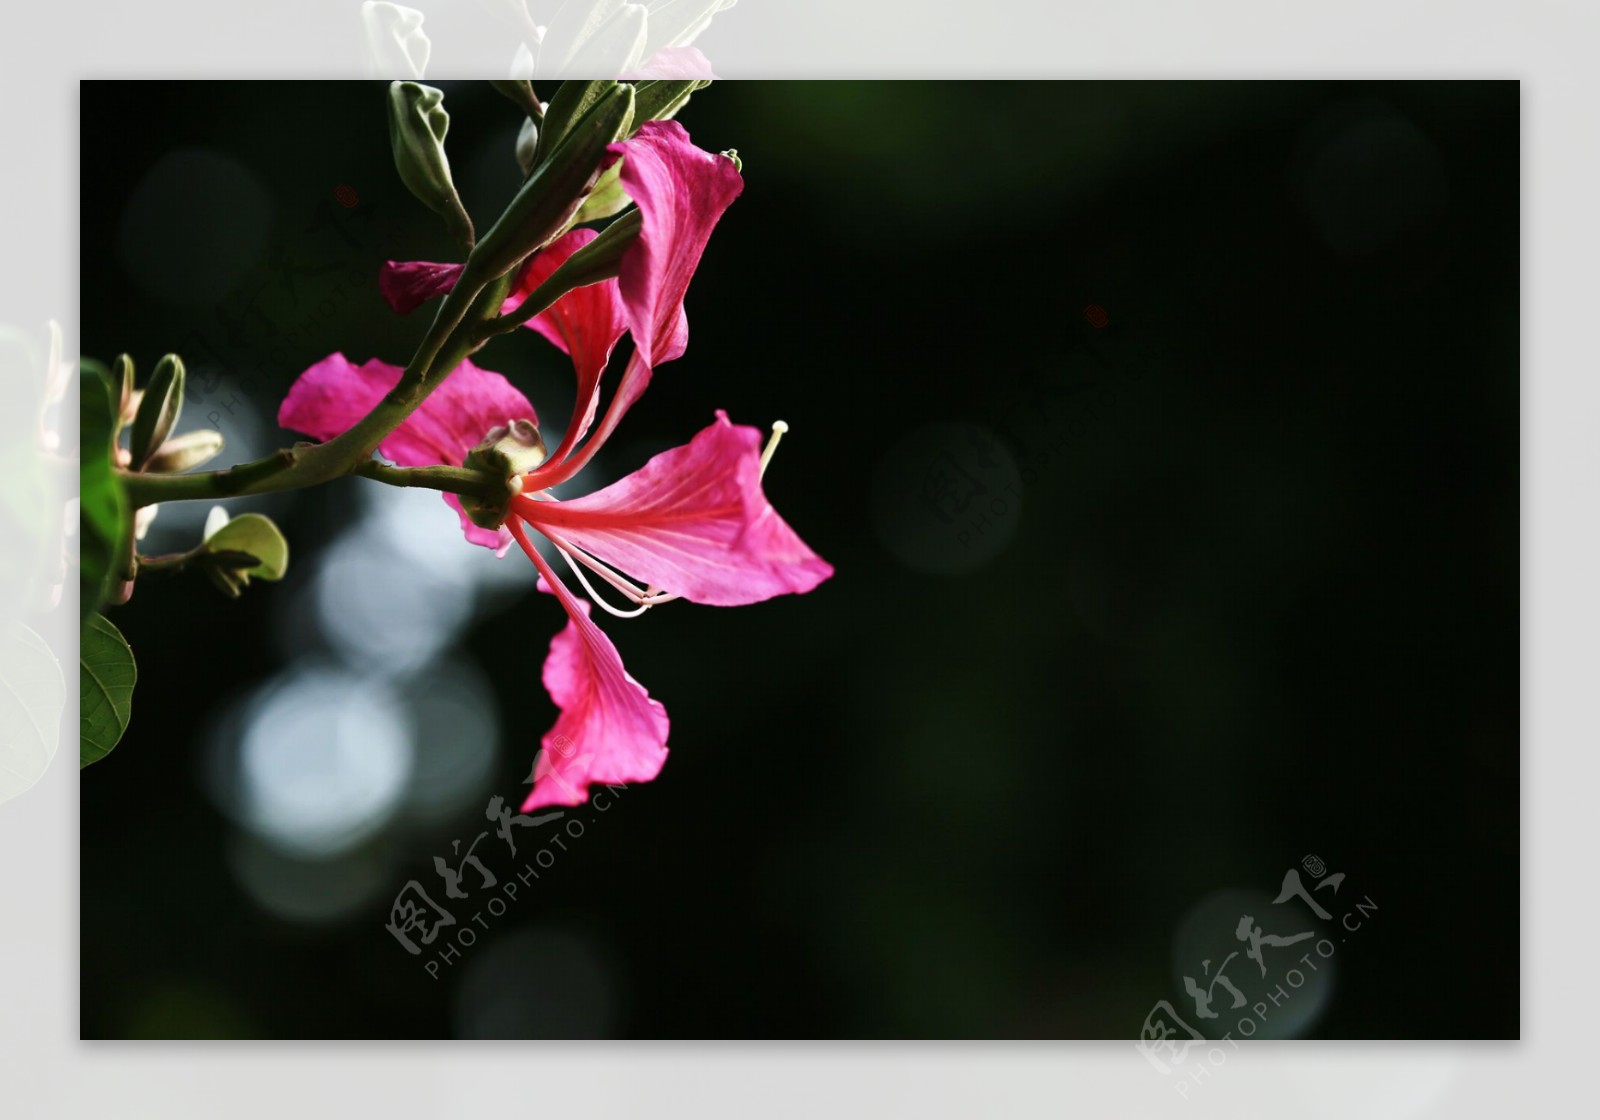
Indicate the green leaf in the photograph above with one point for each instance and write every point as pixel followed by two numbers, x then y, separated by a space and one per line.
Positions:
pixel 256 536
pixel 33 694
pixel 103 508
pixel 158 410
pixel 106 675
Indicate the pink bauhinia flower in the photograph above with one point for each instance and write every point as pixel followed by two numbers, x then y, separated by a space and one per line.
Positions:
pixel 692 523
pixel 681 192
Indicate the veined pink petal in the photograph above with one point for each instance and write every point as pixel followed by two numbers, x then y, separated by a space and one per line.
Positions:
pixel 409 284
pixel 674 62
pixel 681 193
pixel 692 521
pixel 609 730
pixel 332 395
pixel 585 323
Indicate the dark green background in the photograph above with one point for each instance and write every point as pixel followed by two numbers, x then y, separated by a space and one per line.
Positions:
pixel 1259 598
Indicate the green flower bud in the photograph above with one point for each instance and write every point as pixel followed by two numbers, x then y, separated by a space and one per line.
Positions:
pixel 660 100
pixel 188 450
pixel 653 101
pixel 527 146
pixel 122 384
pixel 417 126
pixel 519 91
pixel 545 205
pixel 158 411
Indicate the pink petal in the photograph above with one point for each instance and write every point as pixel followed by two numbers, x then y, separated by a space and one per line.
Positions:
pixel 585 324
pixel 609 730
pixel 332 395
pixel 674 62
pixel 692 521
pixel 409 284
pixel 681 193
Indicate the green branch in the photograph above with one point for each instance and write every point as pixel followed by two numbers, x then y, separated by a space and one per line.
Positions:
pixel 455 480
pixel 451 338
pixel 468 317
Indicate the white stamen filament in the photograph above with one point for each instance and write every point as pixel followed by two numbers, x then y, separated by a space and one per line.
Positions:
pixel 645 598
pixel 594 595
pixel 778 428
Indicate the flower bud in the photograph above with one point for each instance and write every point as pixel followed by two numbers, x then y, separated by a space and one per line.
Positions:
pixel 417 126
pixel 216 518
pixel 188 450
pixel 527 146
pixel 158 411
pixel 661 100
pixel 143 518
pixel 122 385
pixel 580 124
pixel 395 42
pixel 652 101
pixel 519 91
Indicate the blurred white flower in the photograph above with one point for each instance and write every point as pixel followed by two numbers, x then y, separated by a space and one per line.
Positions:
pixel 36 516
pixel 396 45
pixel 591 38
pixel 677 23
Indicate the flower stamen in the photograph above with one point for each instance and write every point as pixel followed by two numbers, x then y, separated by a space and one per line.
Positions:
pixel 778 428
pixel 595 596
pixel 645 598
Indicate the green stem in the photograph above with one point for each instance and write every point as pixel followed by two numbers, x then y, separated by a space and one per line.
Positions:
pixel 456 480
pixel 452 336
pixel 169 562
pixel 468 317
